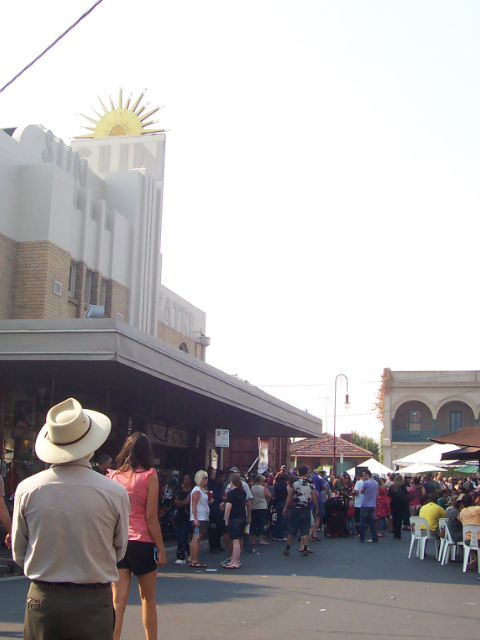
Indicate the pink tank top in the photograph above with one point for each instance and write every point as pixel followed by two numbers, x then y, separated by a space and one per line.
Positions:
pixel 136 486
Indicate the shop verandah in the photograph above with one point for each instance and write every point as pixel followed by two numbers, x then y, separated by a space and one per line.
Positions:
pixel 141 382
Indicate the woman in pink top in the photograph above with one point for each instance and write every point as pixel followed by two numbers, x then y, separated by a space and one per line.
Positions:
pixel 136 473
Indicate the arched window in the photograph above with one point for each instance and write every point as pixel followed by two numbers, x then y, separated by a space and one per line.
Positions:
pixel 183 347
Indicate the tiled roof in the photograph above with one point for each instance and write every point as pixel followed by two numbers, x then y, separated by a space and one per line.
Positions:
pixel 323 447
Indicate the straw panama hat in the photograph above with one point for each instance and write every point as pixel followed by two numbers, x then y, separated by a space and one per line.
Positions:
pixel 71 433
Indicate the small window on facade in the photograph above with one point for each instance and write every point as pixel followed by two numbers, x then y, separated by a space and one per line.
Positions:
pixel 414 420
pixel 183 347
pixel 88 287
pixel 103 292
pixel 71 279
pixel 455 422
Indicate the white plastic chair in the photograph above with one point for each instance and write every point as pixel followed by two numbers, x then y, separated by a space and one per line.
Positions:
pixel 474 530
pixel 421 536
pixel 442 526
pixel 449 549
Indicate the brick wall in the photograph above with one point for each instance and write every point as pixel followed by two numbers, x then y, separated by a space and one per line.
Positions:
pixel 28 271
pixel 38 265
pixel 8 258
pixel 117 300
pixel 170 336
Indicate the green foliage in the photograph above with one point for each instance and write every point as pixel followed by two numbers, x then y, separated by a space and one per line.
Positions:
pixel 367 443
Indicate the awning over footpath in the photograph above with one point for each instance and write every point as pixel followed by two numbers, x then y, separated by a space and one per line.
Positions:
pixel 110 357
pixel 468 437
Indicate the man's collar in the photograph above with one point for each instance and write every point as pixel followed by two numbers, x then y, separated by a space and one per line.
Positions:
pixel 83 462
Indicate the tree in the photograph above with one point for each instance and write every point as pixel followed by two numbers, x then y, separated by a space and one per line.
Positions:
pixel 367 443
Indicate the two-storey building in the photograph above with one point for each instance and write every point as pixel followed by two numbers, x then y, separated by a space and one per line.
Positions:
pixel 418 405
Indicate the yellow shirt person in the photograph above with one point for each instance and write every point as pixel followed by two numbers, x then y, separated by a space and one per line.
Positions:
pixel 432 513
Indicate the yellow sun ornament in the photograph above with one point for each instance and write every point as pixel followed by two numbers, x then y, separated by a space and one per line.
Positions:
pixel 122 121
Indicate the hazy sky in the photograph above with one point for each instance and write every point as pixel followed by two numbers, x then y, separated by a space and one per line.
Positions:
pixel 321 175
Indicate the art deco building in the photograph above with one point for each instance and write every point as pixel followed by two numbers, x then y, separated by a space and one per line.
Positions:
pixel 84 312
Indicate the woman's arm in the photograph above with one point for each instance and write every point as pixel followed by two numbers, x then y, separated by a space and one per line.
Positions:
pixel 228 508
pixel 152 518
pixel 195 498
pixel 268 495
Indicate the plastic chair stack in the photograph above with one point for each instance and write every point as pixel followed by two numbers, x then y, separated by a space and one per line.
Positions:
pixel 420 536
pixel 474 530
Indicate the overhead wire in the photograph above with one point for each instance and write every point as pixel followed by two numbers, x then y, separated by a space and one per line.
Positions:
pixel 82 17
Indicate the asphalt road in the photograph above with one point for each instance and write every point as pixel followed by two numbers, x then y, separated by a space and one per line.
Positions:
pixel 345 590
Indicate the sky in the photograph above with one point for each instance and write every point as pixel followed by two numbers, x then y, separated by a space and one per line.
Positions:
pixel 321 184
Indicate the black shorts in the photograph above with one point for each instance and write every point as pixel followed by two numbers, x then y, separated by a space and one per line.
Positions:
pixel 236 527
pixel 299 519
pixel 139 558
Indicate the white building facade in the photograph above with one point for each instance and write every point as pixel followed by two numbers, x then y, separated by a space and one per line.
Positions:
pixel 98 201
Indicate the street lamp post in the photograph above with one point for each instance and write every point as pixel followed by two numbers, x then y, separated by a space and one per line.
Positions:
pixel 347 404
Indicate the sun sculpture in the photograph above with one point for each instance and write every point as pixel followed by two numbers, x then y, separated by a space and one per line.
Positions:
pixel 125 120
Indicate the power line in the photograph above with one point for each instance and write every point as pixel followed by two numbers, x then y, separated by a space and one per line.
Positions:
pixel 312 384
pixel 52 45
pixel 331 384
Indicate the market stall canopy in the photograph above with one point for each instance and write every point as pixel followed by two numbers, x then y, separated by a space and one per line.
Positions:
pixel 469 437
pixel 414 469
pixel 429 455
pixel 467 468
pixel 374 466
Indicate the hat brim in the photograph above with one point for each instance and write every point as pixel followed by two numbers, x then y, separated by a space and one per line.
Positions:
pixel 56 454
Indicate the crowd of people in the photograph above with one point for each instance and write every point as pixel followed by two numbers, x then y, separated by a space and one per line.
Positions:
pixel 240 513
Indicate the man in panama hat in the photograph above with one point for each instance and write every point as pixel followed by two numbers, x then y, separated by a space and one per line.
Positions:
pixel 70 528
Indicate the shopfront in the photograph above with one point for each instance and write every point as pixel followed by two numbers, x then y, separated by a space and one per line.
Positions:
pixel 139 381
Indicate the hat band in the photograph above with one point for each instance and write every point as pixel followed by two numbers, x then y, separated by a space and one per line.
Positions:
pixel 66 444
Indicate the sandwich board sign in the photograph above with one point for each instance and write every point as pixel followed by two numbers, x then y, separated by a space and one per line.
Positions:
pixel 222 438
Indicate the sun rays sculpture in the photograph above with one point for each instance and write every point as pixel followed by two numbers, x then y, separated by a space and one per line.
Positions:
pixel 125 120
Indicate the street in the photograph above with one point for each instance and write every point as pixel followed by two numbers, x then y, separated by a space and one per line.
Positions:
pixel 343 590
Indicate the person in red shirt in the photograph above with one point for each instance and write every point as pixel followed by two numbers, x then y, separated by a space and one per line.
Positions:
pixel 382 510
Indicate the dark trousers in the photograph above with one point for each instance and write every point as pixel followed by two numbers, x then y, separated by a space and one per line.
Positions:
pixel 182 531
pixel 367 517
pixel 397 519
pixel 215 530
pixel 281 523
pixel 63 613
pixel 247 544
pixel 259 519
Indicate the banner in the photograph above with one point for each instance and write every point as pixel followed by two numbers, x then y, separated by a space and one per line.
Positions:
pixel 262 455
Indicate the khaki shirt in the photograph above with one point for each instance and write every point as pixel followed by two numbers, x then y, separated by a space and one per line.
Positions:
pixel 70 524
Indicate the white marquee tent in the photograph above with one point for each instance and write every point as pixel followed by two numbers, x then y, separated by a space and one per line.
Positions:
pixel 417 468
pixel 429 455
pixel 374 466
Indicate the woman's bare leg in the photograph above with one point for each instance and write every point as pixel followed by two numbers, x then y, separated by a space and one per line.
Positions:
pixel 147 585
pixel 194 549
pixel 236 554
pixel 121 589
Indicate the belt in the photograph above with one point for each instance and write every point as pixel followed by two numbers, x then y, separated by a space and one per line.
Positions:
pixel 73 585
